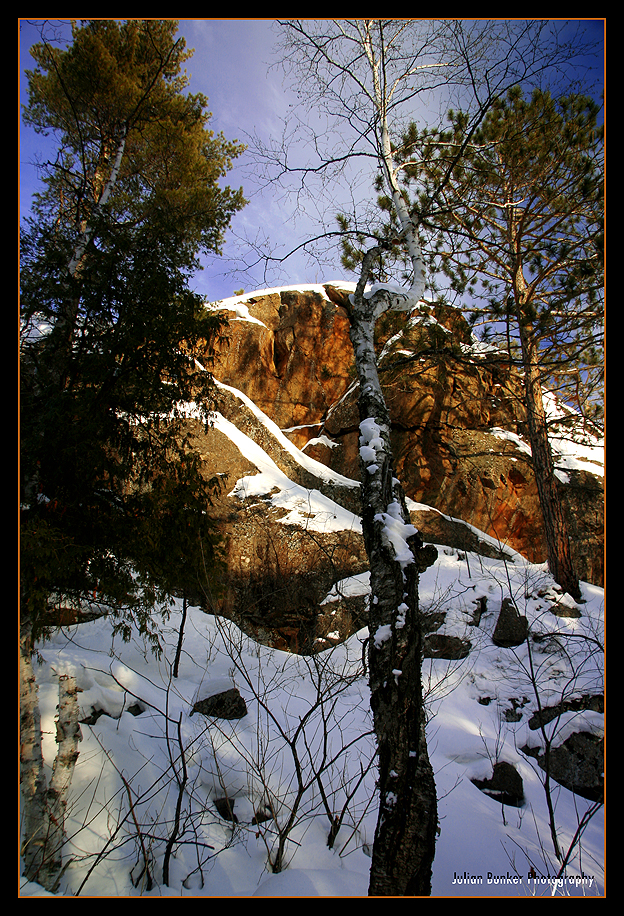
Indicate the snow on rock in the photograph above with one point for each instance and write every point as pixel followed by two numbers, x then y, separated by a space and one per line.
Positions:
pixel 573 446
pixel 317 468
pixel 303 506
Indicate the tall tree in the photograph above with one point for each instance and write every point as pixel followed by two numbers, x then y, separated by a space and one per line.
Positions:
pixel 404 843
pixel 114 502
pixel 131 200
pixel 358 79
pixel 517 226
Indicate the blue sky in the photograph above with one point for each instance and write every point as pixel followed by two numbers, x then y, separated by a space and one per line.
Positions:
pixel 232 66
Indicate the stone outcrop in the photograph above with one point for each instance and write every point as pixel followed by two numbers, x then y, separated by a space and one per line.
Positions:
pixel 458 417
pixel 577 763
pixel 505 785
pixel 511 627
pixel 286 385
pixel 290 353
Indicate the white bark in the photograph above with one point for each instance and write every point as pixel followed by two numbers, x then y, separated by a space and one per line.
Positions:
pixel 43 806
pixel 409 230
pixel 404 844
pixel 87 232
pixel 33 782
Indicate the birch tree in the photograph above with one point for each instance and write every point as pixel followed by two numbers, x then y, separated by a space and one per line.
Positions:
pixel 359 79
pixel 404 843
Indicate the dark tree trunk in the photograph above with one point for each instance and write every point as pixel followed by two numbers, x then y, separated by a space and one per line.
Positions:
pixel 556 532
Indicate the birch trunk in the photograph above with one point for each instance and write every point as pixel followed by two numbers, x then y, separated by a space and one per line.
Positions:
pixel 32 777
pixel 43 807
pixel 382 96
pixel 404 843
pixel 68 317
pixel 108 187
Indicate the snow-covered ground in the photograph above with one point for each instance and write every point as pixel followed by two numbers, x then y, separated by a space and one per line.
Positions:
pixel 305 750
pixel 127 757
pixel 126 783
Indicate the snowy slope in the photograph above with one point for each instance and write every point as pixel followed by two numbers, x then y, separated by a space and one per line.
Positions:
pixel 124 791
pixel 245 759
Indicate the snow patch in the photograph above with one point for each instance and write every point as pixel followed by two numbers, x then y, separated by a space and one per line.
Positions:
pixel 396 532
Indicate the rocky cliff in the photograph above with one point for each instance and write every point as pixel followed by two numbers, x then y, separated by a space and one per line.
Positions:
pixel 287 395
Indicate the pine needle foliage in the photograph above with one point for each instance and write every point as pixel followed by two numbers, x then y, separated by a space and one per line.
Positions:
pixel 114 343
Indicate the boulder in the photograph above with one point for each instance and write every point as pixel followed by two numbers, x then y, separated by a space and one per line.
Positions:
pixel 225 807
pixel 511 627
pixel 228 704
pixel 577 763
pixel 505 785
pixel 440 645
pixel 546 714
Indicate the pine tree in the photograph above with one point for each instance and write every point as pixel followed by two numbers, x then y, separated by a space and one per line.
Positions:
pixel 114 503
pixel 129 204
pixel 514 216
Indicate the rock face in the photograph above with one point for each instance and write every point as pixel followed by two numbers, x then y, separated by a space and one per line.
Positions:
pixel 457 411
pixel 290 353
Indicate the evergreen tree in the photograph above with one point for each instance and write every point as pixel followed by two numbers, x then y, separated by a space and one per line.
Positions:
pixel 514 216
pixel 130 202
pixel 114 503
